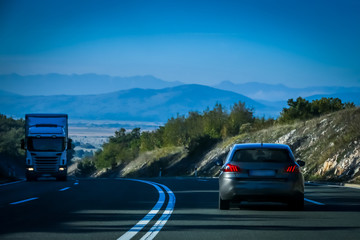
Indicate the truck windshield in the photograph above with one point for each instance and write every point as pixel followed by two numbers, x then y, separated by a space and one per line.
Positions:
pixel 46 144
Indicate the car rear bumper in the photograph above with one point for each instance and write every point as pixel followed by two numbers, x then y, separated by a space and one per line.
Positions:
pixel 260 190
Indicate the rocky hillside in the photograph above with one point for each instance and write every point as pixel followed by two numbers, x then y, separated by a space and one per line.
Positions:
pixel 329 145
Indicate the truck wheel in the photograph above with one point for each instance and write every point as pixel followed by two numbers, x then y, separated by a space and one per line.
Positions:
pixel 224 204
pixel 30 179
pixel 62 178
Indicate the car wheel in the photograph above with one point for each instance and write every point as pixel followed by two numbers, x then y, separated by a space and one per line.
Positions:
pixel 297 203
pixel 224 204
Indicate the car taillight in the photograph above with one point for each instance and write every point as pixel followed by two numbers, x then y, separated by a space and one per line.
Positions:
pixel 292 169
pixel 231 168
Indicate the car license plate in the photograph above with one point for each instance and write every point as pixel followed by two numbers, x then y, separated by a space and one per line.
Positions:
pixel 262 173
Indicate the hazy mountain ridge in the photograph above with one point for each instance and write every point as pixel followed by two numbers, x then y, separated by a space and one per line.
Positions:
pixel 129 105
pixel 86 84
pixel 145 98
pixel 77 84
pixel 279 92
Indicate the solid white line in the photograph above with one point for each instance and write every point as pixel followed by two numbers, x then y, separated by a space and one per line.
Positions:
pixel 64 189
pixel 22 201
pixel 4 184
pixel 164 217
pixel 143 222
pixel 333 186
pixel 312 201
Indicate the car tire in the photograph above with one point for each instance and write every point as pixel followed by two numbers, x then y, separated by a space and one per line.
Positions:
pixel 297 203
pixel 224 204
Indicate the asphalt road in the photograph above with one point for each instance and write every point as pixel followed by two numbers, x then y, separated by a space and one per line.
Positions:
pixel 176 208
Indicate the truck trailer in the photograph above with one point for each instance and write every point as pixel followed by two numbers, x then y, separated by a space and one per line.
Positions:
pixel 46 144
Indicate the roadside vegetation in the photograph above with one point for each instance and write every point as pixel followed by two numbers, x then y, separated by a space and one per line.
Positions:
pixel 188 138
pixel 11 133
pixel 193 131
pixel 301 109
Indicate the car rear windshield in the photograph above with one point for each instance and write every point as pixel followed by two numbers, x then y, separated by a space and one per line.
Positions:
pixel 261 155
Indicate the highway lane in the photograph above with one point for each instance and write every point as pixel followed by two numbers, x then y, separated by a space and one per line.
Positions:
pixel 109 208
pixel 196 215
pixel 92 209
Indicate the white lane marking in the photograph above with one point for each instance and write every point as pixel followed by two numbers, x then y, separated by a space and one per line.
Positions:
pixel 143 222
pixel 26 200
pixel 64 189
pixel 202 180
pixel 312 201
pixel 76 183
pixel 4 184
pixel 355 186
pixel 164 217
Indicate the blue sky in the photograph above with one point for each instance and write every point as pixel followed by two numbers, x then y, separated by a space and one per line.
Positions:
pixel 296 43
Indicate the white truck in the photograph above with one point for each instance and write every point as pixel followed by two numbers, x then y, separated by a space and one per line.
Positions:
pixel 46 144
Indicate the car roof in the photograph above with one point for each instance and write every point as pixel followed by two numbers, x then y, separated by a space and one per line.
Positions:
pixel 260 145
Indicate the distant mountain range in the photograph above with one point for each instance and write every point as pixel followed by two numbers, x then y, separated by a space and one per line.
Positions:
pixel 75 84
pixel 130 105
pixel 280 92
pixel 145 98
pixel 85 84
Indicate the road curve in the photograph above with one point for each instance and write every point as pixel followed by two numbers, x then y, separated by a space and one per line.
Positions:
pixel 110 208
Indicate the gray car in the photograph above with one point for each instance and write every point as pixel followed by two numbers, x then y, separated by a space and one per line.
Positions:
pixel 261 172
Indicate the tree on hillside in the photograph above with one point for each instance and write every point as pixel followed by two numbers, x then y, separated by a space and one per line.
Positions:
pixel 121 148
pixel 175 132
pixel 11 133
pixel 194 125
pixel 327 105
pixel 301 109
pixel 239 115
pixel 214 121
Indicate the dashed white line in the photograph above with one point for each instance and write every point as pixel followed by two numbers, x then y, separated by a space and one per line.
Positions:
pixel 64 189
pixel 312 201
pixel 22 201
